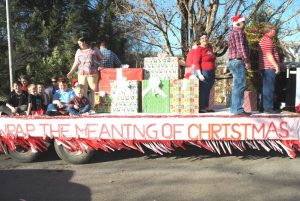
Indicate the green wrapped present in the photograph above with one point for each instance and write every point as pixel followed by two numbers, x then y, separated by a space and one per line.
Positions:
pixel 155 96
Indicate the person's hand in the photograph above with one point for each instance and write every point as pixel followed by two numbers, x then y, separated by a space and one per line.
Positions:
pixel 14 110
pixel 60 105
pixel 248 66
pixel 277 70
pixel 200 76
pixel 100 68
pixel 69 75
pixel 76 107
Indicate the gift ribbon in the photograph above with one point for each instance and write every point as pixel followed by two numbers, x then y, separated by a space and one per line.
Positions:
pixel 153 86
pixel 122 83
pixel 119 75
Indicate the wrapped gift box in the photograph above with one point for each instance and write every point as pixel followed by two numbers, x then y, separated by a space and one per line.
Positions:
pixel 155 97
pixel 108 74
pixel 211 103
pixel 184 96
pixel 102 102
pixel 250 101
pixel 124 96
pixel 163 68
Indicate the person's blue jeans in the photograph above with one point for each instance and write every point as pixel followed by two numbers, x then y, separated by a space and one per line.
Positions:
pixel 53 110
pixel 205 87
pixel 83 110
pixel 268 88
pixel 239 72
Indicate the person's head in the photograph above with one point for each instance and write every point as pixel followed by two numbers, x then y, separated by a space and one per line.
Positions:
pixel 54 81
pixel 203 39
pixel 32 89
pixel 40 88
pixel 103 44
pixel 63 84
pixel 17 86
pixel 83 43
pixel 79 91
pixel 238 22
pixel 24 79
pixel 270 30
pixel 194 44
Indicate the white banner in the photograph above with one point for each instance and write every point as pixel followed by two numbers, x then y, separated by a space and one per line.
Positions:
pixel 156 127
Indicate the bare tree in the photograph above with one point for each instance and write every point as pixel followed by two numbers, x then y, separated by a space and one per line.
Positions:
pixel 170 26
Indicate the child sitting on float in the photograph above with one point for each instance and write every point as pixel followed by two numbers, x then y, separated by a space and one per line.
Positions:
pixel 35 101
pixel 60 99
pixel 79 104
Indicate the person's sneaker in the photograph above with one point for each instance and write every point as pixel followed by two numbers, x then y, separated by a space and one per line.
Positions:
pixel 92 112
pixel 243 114
pixel 272 111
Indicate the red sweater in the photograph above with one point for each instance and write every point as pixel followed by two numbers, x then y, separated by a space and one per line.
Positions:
pixel 193 58
pixel 207 58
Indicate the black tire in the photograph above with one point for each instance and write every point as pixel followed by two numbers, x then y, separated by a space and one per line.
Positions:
pixel 77 157
pixel 22 155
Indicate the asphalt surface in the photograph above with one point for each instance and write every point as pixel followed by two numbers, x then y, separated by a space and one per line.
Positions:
pixel 193 174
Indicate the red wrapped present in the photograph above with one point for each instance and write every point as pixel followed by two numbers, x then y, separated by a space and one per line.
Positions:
pixel 108 74
pixel 297 108
pixel 250 101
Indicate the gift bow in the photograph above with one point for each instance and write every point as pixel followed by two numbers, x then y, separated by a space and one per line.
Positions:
pixel 154 87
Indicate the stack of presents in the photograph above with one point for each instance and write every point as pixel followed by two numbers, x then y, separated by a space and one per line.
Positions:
pixel 156 88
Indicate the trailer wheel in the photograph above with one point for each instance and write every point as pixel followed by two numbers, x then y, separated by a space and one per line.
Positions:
pixel 22 155
pixel 74 157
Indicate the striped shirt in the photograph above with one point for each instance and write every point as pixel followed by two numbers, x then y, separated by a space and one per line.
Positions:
pixel 266 46
pixel 88 60
pixel 238 45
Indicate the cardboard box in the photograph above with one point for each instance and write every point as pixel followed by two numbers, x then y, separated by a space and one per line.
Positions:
pixel 156 99
pixel 163 68
pixel 102 102
pixel 250 101
pixel 107 74
pixel 184 96
pixel 124 96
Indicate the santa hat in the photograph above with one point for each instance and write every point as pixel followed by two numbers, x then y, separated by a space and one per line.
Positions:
pixel 237 19
pixel 74 82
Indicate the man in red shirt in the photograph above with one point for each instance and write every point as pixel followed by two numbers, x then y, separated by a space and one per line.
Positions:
pixel 238 53
pixel 269 64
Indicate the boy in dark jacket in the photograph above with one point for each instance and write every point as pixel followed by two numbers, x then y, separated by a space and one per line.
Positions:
pixel 18 100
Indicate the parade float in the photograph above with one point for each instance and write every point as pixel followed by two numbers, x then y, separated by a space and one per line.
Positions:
pixel 147 108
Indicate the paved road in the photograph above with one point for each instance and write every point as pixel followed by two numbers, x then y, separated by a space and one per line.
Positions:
pixel 127 175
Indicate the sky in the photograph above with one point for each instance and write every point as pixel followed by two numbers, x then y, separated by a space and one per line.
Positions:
pixel 290 24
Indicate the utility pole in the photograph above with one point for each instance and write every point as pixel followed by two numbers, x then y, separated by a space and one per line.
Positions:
pixel 9 40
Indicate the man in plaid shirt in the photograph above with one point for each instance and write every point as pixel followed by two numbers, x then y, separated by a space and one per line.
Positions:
pixel 110 59
pixel 238 53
